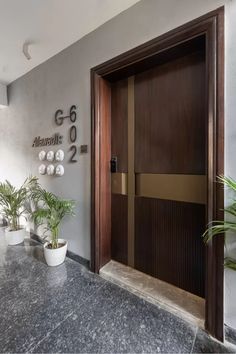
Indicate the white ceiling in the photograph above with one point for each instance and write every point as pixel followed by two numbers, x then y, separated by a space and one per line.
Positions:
pixel 50 25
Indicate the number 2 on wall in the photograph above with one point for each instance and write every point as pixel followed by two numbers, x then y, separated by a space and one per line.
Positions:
pixel 73 148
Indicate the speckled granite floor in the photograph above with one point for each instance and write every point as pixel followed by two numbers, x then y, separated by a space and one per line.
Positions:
pixel 67 309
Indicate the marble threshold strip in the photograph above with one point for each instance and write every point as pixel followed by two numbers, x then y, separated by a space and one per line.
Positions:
pixel 177 301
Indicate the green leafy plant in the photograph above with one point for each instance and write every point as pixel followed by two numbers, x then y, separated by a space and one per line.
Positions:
pixel 51 212
pixel 13 200
pixel 221 227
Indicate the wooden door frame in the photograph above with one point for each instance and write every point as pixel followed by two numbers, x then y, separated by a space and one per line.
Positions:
pixel 211 26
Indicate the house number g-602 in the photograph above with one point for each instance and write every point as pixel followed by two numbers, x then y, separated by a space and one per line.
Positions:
pixel 59 120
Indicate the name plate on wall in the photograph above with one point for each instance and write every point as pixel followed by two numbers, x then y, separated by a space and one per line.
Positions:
pixel 56 139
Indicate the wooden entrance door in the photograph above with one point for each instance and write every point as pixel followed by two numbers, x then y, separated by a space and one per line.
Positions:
pixel 159 194
pixel 129 66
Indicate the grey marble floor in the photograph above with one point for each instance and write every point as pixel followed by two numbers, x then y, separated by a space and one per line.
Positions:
pixel 68 309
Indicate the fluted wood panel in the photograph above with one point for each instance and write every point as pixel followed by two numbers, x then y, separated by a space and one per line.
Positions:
pixel 119 228
pixel 119 123
pixel 168 243
pixel 170 117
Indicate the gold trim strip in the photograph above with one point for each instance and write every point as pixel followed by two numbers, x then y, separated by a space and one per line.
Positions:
pixel 119 183
pixel 186 188
pixel 131 175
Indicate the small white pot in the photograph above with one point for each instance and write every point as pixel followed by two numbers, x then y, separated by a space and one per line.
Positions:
pixel 2 231
pixel 14 237
pixel 55 256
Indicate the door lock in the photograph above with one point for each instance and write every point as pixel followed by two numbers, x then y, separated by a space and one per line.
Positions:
pixel 113 164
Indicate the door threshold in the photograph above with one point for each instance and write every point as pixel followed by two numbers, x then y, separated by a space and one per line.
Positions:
pixel 180 302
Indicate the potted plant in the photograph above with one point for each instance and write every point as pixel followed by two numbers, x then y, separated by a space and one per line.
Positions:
pixel 13 206
pixel 51 212
pixel 3 225
pixel 221 227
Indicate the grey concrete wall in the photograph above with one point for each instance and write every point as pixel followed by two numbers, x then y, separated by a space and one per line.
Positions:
pixel 65 80
pixel 3 95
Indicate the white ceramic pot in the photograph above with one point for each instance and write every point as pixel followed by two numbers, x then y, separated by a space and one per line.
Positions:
pixel 14 237
pixel 2 231
pixel 55 256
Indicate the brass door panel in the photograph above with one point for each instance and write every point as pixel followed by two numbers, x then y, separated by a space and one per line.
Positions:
pixel 119 183
pixel 184 188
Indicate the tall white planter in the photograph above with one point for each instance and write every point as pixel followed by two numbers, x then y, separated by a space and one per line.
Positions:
pixel 55 256
pixel 14 237
pixel 2 231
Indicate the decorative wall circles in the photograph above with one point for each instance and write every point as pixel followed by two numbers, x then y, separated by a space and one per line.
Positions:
pixel 50 170
pixel 50 155
pixel 42 169
pixel 59 155
pixel 42 155
pixel 59 171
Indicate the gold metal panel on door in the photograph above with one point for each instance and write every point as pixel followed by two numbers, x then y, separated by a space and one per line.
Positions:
pixel 119 183
pixel 184 188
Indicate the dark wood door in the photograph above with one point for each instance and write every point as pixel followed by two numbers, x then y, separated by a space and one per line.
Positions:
pixel 209 31
pixel 159 195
